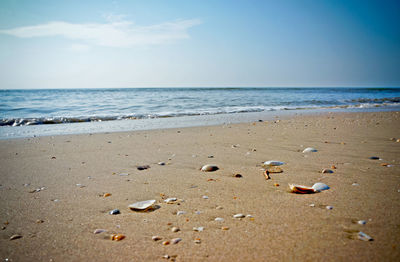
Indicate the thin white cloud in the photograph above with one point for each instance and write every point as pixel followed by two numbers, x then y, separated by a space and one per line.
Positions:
pixel 118 33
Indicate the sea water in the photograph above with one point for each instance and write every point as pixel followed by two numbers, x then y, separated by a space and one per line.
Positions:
pixel 25 113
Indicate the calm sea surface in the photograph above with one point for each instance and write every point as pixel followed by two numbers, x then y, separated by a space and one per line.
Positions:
pixel 59 106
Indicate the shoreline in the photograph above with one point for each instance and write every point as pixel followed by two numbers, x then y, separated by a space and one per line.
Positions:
pixel 126 125
pixel 75 171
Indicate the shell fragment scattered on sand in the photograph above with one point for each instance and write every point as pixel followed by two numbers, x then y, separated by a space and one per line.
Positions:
pixel 142 205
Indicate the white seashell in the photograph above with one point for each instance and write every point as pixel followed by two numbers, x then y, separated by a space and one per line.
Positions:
pixel 170 200
pixel 312 205
pixel 309 150
pixel 318 187
pixel 198 229
pixel 175 229
pixel 98 231
pixel 362 222
pixel 238 216
pixel 355 184
pixel 364 237
pixel 176 240
pixel 205 197
pixel 329 207
pixel 142 205
pixel 219 219
pixel 180 213
pixel 273 163
pixel 249 216
pixel 209 168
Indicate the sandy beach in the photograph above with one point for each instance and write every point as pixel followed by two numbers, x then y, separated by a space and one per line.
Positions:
pixel 52 192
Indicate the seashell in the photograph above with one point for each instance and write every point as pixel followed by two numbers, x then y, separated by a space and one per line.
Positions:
pixel 197 241
pixel 180 213
pixel 250 216
pixel 273 163
pixel 274 169
pixel 156 238
pixel 176 240
pixel 124 174
pixel 266 175
pixel 364 237
pixel 312 205
pixel 209 168
pixel 142 205
pixel 310 150
pixel 355 184
pixel 205 197
pixel 333 167
pixel 219 207
pixel 166 256
pixel 144 167
pixel 170 200
pixel 98 231
pixel 326 171
pixel 362 222
pixel 219 219
pixel 161 163
pixel 198 229
pixel 165 243
pixel 318 187
pixel 237 175
pixel 225 228
pixel 238 216
pixel 301 189
pixel 175 229
pixel 107 195
pixel 329 207
pixel 13 237
pixel 114 212
pixel 117 237
pixel 276 184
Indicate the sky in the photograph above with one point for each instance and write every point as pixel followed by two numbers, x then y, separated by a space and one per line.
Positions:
pixel 204 43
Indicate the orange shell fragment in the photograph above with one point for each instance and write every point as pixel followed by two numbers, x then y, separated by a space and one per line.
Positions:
pixel 117 237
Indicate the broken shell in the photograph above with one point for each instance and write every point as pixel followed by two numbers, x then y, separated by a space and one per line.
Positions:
pixel 198 229
pixel 301 189
pixel 362 222
pixel 225 228
pixel 161 163
pixel 170 200
pixel 333 167
pixel 142 205
pixel 165 243
pixel 219 219
pixel 205 197
pixel 329 207
pixel 274 169
pixel 117 237
pixel 106 195
pixel 364 237
pixel 13 237
pixel 197 241
pixel 273 163
pixel 98 231
pixel 238 216
pixel 320 187
pixel 209 168
pixel 276 184
pixel 309 150
pixel 180 213
pixel 176 240
pixel 326 171
pixel 175 229
pixel 219 207
pixel 156 238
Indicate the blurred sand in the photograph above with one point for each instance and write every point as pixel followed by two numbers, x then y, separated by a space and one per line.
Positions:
pixel 284 226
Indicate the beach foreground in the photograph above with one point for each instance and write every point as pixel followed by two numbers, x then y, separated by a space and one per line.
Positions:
pixel 53 192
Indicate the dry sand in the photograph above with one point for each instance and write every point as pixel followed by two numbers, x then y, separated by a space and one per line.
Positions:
pixel 284 227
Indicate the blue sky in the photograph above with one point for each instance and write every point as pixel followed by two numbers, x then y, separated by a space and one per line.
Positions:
pixel 210 43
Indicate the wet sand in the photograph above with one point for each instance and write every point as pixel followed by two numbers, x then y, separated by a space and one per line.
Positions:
pixel 75 171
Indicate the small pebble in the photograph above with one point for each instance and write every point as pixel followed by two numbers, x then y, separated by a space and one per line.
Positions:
pixel 238 216
pixel 175 229
pixel 165 243
pixel 197 212
pixel 180 213
pixel 374 158
pixel 327 171
pixel 355 184
pixel 13 237
pixel 276 184
pixel 176 240
pixel 39 221
pixel 143 167
pixel 205 197
pixel 156 238
pixel 114 212
pixel 329 207
pixel 166 256
pixel 237 175
pixel 362 222
pixel 161 163
pixel 219 219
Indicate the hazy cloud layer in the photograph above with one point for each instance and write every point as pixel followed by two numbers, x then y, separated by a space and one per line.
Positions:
pixel 112 34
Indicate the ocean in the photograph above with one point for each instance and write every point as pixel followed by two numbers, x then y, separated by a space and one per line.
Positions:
pixel 26 113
